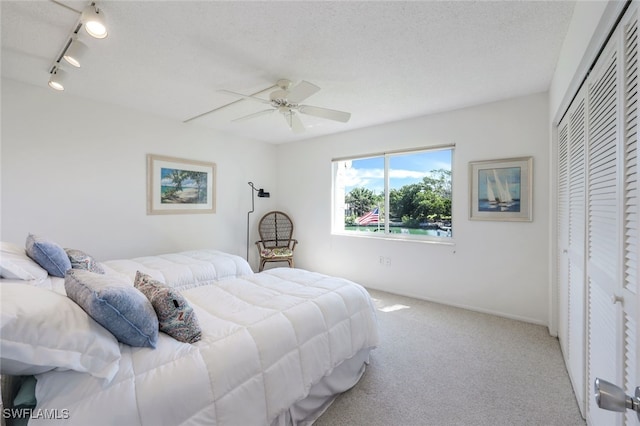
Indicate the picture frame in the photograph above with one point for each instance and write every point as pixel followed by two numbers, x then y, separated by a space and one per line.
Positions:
pixel 501 189
pixel 180 186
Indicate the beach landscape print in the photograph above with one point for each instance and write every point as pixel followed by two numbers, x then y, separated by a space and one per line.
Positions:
pixel 182 186
pixel 501 189
pixel 176 185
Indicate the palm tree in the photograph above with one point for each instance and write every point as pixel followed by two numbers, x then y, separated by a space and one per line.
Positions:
pixel 361 200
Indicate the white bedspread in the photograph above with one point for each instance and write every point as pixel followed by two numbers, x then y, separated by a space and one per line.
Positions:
pixel 267 338
pixel 185 269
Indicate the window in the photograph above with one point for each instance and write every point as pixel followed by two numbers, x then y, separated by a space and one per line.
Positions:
pixel 403 194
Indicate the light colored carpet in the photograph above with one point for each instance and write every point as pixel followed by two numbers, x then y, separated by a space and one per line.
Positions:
pixel 439 365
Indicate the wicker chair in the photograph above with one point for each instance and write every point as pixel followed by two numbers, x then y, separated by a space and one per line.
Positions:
pixel 276 243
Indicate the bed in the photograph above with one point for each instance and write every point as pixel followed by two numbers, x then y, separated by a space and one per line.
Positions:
pixel 274 348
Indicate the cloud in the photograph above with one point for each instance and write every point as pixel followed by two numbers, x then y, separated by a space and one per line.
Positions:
pixel 362 177
pixel 407 174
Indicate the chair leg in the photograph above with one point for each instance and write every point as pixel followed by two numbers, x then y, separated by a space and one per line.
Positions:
pixel 290 260
pixel 262 262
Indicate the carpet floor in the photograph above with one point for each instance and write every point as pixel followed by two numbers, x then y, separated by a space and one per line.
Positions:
pixel 439 365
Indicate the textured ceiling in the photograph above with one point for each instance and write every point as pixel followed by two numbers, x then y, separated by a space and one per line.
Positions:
pixel 382 61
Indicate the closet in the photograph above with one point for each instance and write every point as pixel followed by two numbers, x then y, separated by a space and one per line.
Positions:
pixel 597 226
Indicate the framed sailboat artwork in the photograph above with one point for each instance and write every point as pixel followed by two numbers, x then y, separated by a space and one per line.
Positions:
pixel 501 189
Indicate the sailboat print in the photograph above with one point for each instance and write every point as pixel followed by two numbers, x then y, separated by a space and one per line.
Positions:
pixel 505 200
pixel 491 196
pixel 499 190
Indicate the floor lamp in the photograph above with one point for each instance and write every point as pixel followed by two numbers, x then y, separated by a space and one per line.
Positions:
pixel 262 194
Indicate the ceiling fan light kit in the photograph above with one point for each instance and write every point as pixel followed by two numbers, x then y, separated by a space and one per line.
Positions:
pixel 286 100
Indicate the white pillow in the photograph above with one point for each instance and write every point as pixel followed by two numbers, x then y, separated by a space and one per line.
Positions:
pixel 41 330
pixel 15 264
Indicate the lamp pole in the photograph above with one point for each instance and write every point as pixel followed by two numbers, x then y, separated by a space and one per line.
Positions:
pixel 262 194
pixel 249 214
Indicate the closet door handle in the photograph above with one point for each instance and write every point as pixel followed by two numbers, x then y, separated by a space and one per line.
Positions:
pixel 617 299
pixel 611 397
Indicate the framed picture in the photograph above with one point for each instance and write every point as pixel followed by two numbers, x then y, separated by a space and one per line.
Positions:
pixel 501 189
pixel 176 185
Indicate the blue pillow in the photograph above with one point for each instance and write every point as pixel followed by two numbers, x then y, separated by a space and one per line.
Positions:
pixel 48 254
pixel 114 304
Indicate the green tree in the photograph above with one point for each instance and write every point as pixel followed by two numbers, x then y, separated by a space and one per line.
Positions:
pixel 427 200
pixel 403 201
pixel 200 178
pixel 177 177
pixel 361 200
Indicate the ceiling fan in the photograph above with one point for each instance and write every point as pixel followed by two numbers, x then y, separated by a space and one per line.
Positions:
pixel 286 100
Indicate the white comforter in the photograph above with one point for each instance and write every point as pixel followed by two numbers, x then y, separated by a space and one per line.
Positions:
pixel 267 338
pixel 185 269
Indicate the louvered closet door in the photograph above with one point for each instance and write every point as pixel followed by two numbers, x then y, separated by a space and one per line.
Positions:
pixel 604 348
pixel 576 250
pixel 605 340
pixel 612 218
pixel 571 248
pixel 562 217
pixel 597 221
pixel 629 166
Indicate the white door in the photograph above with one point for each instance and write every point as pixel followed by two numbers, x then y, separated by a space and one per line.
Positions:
pixel 630 292
pixel 612 221
pixel 571 242
pixel 629 166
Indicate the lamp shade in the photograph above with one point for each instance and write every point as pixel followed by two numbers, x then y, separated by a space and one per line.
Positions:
pixel 56 81
pixel 75 52
pixel 94 21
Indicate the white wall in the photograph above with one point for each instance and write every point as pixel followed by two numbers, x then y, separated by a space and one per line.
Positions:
pixel 74 170
pixel 497 267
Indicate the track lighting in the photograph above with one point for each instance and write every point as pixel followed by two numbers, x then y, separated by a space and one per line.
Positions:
pixel 56 81
pixel 94 21
pixel 75 52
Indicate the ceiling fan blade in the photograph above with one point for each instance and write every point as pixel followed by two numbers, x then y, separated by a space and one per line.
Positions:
pixel 255 114
pixel 294 122
pixel 330 114
pixel 253 98
pixel 301 92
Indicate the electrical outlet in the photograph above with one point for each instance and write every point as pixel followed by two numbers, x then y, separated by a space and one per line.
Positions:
pixel 381 260
pixel 387 261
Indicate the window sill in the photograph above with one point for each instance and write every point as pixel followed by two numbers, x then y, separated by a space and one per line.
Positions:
pixel 397 237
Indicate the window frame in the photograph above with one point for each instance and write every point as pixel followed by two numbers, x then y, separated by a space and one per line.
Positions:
pixel 338 230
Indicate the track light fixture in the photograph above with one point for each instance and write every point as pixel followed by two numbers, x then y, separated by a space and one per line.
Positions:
pixel 73 51
pixel 94 21
pixel 56 81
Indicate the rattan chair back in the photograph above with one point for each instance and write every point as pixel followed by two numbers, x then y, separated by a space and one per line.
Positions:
pixel 276 238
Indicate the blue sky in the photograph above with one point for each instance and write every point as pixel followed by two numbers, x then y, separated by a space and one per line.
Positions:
pixel 404 169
